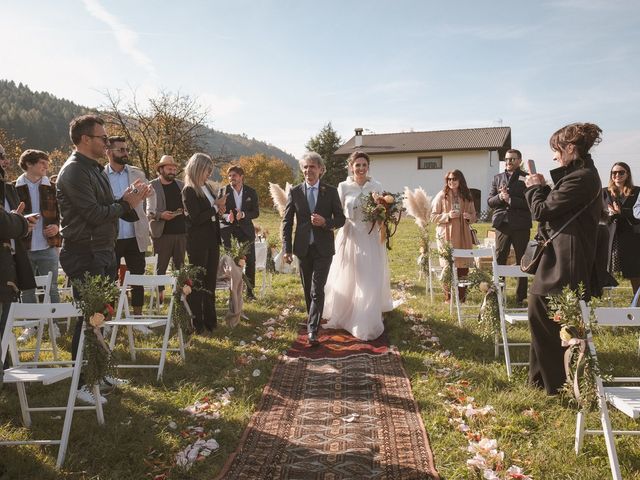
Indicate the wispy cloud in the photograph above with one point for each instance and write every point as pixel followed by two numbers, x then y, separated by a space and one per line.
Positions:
pixel 127 39
pixel 488 32
pixel 590 5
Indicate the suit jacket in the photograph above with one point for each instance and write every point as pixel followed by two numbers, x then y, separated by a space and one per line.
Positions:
pixel 516 213
pixel 202 232
pixel 48 207
pixel 156 206
pixel 141 226
pixel 328 205
pixel 250 209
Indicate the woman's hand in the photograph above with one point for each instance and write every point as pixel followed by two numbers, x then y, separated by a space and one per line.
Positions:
pixel 466 216
pixel 454 214
pixel 535 179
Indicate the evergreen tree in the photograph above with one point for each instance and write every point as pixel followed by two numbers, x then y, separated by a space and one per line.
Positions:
pixel 326 143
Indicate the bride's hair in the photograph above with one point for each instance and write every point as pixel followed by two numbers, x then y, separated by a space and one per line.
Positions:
pixel 354 156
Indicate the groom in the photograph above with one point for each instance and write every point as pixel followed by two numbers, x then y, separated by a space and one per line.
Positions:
pixel 317 210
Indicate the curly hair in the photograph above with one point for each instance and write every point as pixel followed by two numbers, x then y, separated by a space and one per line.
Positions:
pixel 582 135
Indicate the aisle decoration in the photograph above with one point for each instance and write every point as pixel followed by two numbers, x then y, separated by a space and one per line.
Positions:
pixel 489 315
pixel 418 205
pixel 97 294
pixel 580 366
pixel 384 210
pixel 238 252
pixel 446 253
pixel 188 278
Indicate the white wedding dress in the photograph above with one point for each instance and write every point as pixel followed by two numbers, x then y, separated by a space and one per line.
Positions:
pixel 358 287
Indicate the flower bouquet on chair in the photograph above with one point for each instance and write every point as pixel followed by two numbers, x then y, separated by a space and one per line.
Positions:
pixel 383 210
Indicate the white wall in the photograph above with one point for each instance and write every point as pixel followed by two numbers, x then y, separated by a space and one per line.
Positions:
pixel 396 171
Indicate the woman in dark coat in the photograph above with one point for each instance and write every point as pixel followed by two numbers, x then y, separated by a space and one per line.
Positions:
pixel 203 236
pixel 570 258
pixel 620 197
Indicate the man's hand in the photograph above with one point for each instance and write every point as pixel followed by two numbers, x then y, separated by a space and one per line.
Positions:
pixel 51 230
pixel 288 257
pixel 504 194
pixel 232 217
pixel 167 215
pixel 136 193
pixel 240 214
pixel 220 202
pixel 317 220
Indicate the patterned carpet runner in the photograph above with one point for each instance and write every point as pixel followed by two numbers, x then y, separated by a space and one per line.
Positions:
pixel 350 417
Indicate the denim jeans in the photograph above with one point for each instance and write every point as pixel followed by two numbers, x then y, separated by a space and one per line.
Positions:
pixel 43 262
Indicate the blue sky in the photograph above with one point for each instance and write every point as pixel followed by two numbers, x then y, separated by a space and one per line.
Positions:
pixel 279 70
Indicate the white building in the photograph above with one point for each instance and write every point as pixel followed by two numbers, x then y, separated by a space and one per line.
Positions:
pixel 422 159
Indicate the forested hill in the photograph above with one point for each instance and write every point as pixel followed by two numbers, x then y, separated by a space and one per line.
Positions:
pixel 42 120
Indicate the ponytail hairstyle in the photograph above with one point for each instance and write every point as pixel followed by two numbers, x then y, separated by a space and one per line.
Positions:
pixel 582 135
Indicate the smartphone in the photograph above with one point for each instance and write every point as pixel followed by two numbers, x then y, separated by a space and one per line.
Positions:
pixel 531 166
pixel 32 215
pixel 178 212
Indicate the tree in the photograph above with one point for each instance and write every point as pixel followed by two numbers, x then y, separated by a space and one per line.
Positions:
pixel 259 170
pixel 13 148
pixel 325 144
pixel 168 124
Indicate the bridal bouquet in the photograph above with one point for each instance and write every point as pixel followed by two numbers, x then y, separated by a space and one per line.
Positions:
pixel 385 210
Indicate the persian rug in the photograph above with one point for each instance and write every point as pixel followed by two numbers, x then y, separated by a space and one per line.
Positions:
pixel 335 419
pixel 335 343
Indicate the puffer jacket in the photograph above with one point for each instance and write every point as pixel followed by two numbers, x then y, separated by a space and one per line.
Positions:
pixel 88 211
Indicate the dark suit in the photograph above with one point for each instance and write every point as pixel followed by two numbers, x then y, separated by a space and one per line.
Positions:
pixel 243 229
pixel 203 248
pixel 512 221
pixel 315 258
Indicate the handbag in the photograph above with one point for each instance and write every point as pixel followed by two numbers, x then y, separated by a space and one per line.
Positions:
pixel 474 236
pixel 535 248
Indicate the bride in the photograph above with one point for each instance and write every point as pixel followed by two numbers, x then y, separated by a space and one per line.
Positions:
pixel 357 289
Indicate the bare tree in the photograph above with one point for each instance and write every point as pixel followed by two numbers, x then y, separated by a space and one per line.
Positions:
pixel 167 124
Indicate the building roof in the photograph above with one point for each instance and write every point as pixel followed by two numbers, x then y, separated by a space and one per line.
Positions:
pixel 492 138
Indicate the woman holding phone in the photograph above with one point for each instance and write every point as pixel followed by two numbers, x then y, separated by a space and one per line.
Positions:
pixel 569 259
pixel 453 211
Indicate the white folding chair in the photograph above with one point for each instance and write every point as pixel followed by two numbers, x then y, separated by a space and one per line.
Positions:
pixel 151 268
pixel 43 295
pixel 45 373
pixel 433 269
pixel 624 398
pixel 124 318
pixel 469 253
pixel 261 266
pixel 508 316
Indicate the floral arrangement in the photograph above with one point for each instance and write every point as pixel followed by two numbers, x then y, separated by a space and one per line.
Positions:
pixel 97 294
pixel 446 253
pixel 263 235
pixel 423 258
pixel 383 209
pixel 489 316
pixel 188 278
pixel 580 365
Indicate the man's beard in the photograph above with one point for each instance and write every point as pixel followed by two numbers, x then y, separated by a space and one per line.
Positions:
pixel 168 177
pixel 121 160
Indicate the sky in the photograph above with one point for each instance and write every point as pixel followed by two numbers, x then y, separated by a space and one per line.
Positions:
pixel 278 70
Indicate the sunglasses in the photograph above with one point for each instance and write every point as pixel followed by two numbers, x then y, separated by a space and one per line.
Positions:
pixel 618 173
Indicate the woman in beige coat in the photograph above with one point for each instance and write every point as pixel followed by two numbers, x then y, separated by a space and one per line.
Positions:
pixel 453 212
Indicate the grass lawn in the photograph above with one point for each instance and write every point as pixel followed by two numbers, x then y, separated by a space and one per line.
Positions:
pixel 146 427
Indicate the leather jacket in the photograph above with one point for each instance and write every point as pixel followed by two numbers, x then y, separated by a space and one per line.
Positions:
pixel 88 211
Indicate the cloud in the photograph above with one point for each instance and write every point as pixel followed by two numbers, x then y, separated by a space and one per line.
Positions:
pixel 126 38
pixel 489 32
pixel 220 106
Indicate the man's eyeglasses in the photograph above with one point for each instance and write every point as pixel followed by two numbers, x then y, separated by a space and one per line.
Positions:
pixel 616 173
pixel 120 149
pixel 104 138
pixel 511 159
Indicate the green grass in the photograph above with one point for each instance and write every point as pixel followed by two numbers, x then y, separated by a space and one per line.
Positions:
pixel 137 442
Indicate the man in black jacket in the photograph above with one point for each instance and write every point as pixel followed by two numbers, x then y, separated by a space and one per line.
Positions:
pixel 89 213
pixel 242 208
pixel 511 215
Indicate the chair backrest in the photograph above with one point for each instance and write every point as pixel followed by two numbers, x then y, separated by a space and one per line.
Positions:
pixel 148 280
pixel 472 252
pixel 24 311
pixel 512 271
pixel 261 255
pixel 617 317
pixel 636 299
pixel 43 285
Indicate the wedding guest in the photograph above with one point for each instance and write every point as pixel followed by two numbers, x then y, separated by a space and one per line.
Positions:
pixel 315 208
pixel 360 264
pixel 133 237
pixel 89 216
pixel 39 196
pixel 511 216
pixel 4 161
pixel 453 211
pixel 621 196
pixel 242 207
pixel 166 217
pixel 569 260
pixel 203 210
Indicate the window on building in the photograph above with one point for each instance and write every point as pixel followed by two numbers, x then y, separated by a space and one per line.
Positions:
pixel 429 163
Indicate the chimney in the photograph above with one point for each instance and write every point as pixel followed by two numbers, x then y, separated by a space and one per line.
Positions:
pixel 358 137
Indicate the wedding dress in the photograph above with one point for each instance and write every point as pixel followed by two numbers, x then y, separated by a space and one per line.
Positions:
pixel 358 287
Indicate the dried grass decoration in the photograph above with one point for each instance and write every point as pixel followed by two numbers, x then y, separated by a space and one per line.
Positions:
pixel 97 294
pixel 384 210
pixel 188 278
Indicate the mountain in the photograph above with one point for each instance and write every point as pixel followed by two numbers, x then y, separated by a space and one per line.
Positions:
pixel 42 120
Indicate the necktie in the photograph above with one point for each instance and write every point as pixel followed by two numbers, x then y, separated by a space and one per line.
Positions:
pixel 311 200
